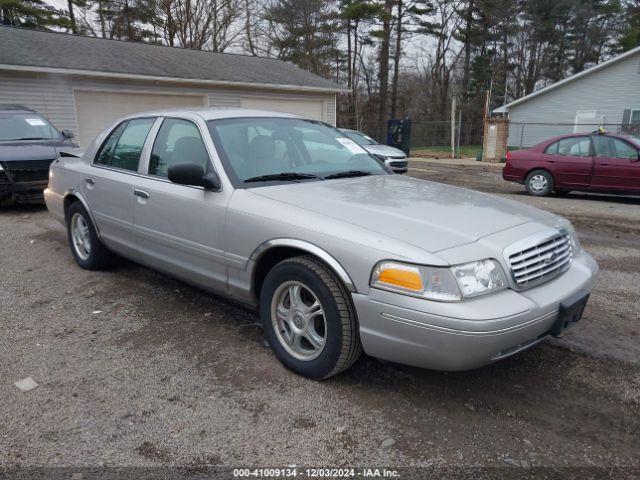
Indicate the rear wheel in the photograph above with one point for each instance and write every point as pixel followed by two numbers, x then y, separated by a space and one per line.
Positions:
pixel 308 318
pixel 539 183
pixel 87 249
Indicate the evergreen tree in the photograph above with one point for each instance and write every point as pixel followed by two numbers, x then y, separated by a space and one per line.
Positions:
pixel 32 14
pixel 306 33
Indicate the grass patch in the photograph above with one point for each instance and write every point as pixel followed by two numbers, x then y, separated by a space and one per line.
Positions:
pixel 464 151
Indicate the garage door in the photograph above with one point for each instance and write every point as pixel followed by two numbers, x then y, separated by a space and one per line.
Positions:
pixel 313 109
pixel 96 110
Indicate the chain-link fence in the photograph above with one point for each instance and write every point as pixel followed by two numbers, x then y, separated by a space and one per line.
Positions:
pixel 434 134
pixel 524 135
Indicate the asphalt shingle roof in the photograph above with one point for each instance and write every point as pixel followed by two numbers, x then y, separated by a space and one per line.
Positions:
pixel 31 48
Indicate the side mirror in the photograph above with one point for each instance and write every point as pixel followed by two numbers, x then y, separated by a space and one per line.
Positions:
pixel 67 134
pixel 193 174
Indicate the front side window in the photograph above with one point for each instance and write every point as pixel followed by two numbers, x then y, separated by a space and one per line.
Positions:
pixel 258 147
pixel 614 148
pixel 123 147
pixel 575 147
pixel 25 126
pixel 178 141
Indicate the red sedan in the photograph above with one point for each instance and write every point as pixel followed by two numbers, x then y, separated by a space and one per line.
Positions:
pixel 598 162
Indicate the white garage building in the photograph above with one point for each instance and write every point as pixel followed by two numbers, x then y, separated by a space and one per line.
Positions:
pixel 83 83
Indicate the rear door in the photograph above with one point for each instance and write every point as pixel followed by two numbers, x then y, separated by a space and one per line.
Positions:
pixel 180 229
pixel 570 161
pixel 616 165
pixel 108 187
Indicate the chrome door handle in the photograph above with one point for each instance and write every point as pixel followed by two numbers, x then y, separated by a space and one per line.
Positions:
pixel 90 181
pixel 141 193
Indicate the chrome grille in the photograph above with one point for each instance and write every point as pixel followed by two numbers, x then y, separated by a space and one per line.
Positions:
pixel 398 164
pixel 537 260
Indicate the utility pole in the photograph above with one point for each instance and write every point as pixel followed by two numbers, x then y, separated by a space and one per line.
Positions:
pixel 453 127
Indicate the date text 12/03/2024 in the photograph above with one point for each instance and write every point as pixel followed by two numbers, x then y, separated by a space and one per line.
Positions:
pixel 316 472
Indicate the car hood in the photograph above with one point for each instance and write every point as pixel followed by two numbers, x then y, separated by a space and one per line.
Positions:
pixel 428 215
pixel 21 151
pixel 384 150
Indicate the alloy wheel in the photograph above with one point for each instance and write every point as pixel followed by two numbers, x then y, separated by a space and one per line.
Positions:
pixel 80 236
pixel 299 320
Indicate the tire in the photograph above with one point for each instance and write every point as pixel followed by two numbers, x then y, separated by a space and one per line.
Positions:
pixel 539 183
pixel 94 256
pixel 336 327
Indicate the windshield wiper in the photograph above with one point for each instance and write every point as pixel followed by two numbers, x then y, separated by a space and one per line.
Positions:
pixel 347 174
pixel 281 176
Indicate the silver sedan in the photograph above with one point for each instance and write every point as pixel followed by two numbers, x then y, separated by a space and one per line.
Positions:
pixel 338 255
pixel 393 157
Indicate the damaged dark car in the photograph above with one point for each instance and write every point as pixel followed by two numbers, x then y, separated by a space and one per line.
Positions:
pixel 28 145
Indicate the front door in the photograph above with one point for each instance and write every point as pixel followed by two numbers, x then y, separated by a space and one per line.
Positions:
pixel 616 165
pixel 180 229
pixel 108 186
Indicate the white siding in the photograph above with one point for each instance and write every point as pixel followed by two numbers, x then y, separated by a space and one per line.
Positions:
pixel 608 91
pixel 52 94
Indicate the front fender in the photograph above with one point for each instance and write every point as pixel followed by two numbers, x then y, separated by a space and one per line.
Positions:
pixel 307 247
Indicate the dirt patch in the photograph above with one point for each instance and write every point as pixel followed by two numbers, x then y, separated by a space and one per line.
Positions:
pixel 135 368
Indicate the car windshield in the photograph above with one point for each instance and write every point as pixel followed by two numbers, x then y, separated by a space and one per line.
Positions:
pixel 288 149
pixel 360 137
pixel 25 126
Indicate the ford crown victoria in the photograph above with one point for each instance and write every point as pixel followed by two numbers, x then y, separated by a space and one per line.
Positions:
pixel 338 254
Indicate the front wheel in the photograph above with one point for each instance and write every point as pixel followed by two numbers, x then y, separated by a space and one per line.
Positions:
pixel 308 318
pixel 539 183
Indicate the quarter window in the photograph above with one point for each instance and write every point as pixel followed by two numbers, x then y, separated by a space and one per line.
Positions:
pixel 178 141
pixel 123 147
pixel 552 149
pixel 614 148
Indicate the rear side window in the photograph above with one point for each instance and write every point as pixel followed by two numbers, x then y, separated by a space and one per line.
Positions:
pixel 614 148
pixel 123 147
pixel 574 146
pixel 178 141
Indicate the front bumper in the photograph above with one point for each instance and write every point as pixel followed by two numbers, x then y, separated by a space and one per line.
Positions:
pixel 469 334
pixel 22 191
pixel 398 165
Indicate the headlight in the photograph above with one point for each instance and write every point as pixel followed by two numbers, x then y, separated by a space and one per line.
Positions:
pixel 438 283
pixel 477 278
pixel 1 168
pixel 573 236
pixel 433 283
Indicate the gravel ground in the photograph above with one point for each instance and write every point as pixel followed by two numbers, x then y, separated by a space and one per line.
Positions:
pixel 135 368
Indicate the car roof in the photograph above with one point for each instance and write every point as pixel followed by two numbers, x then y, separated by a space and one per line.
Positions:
pixel 13 107
pixel 585 134
pixel 214 113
